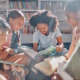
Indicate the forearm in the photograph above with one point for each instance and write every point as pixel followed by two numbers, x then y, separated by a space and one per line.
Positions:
pixel 10 51
pixel 35 46
pixel 71 49
pixel 60 45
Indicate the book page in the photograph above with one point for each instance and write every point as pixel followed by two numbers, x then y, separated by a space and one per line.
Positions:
pixel 54 61
pixel 44 67
pixel 49 65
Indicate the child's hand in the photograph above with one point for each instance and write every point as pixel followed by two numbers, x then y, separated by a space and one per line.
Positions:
pixel 3 55
pixel 58 49
pixel 5 52
pixel 66 56
pixel 9 50
pixel 56 76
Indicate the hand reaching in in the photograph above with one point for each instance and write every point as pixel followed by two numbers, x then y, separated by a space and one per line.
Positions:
pixel 58 49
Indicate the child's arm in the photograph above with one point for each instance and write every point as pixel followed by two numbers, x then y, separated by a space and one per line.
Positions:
pixel 35 40
pixel 71 49
pixel 61 45
pixel 59 40
pixel 5 52
pixel 75 38
pixel 35 46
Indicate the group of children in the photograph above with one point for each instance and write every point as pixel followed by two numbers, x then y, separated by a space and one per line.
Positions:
pixel 46 34
pixel 8 39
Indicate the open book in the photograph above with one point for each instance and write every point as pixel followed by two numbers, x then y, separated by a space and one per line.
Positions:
pixel 49 65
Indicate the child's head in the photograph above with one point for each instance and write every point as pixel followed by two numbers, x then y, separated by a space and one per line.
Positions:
pixel 44 21
pixel 71 11
pixel 4 28
pixel 15 19
pixel 6 67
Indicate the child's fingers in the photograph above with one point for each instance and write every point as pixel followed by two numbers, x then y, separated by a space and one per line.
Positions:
pixel 4 55
pixel 58 49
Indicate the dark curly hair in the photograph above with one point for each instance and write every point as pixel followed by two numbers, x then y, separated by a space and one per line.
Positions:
pixel 44 16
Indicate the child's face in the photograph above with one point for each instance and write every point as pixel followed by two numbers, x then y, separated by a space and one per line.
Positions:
pixel 3 37
pixel 6 66
pixel 16 24
pixel 71 18
pixel 43 28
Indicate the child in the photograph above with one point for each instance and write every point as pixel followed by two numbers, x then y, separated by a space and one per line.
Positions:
pixel 6 53
pixel 6 71
pixel 46 32
pixel 72 12
pixel 73 18
pixel 11 73
pixel 15 19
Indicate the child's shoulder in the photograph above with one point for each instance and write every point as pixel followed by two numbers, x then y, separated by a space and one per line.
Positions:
pixel 37 33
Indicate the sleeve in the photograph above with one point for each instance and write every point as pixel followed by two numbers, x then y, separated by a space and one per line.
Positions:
pixel 35 37
pixel 57 32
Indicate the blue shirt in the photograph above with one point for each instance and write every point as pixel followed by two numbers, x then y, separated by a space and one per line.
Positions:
pixel 14 41
pixel 46 41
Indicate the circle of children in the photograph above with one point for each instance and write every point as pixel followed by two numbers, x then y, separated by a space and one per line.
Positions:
pixel 46 32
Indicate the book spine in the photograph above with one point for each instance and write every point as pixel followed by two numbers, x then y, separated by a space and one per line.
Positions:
pixel 53 5
pixel 24 5
pixel 11 4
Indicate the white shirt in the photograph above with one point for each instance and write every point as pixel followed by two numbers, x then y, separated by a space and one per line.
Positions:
pixel 46 41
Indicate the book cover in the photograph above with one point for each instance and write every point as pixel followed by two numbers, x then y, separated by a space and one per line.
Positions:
pixel 29 52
